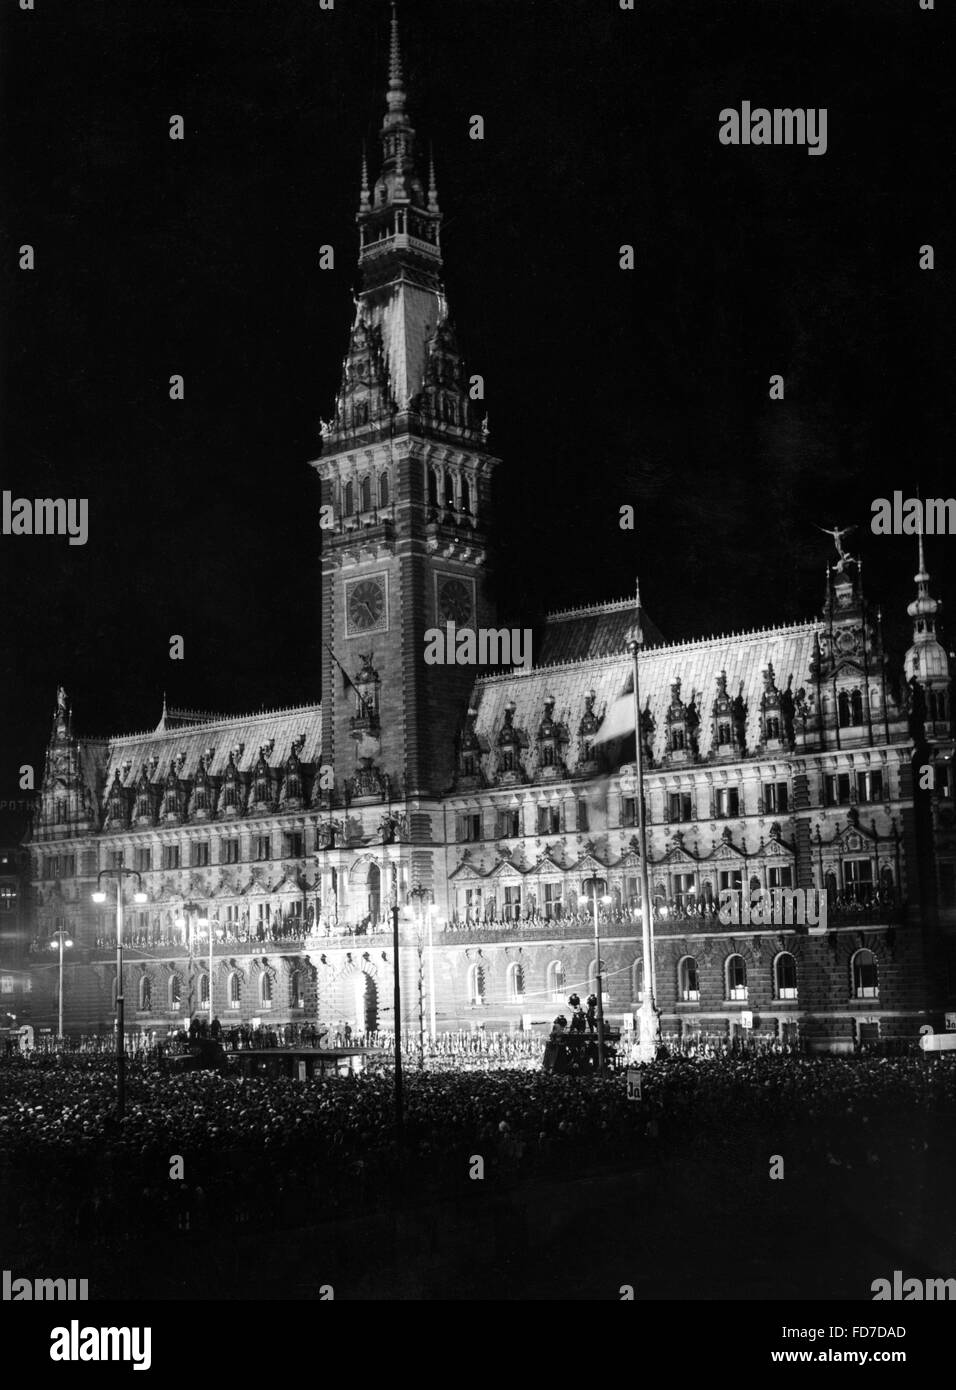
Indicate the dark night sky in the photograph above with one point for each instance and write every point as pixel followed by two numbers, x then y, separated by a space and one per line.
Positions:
pixel 200 257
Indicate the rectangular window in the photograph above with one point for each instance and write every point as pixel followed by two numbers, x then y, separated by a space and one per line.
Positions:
pixel 8 898
pixel 836 789
pixel 294 844
pixel 469 826
pixel 780 876
pixel 170 856
pixel 775 798
pixel 200 854
pixel 507 825
pixel 549 820
pixel 583 819
pixel 229 852
pixel 869 785
pixel 726 802
pixel 858 877
pixel 553 896
pixel 512 904
pixel 143 858
pixel 262 847
pixel 679 806
pixel 731 878
pixel 6 984
pixel 116 859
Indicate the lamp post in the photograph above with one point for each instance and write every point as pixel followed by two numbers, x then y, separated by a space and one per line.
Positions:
pixel 396 997
pixel 597 960
pixel 424 912
pixel 119 875
pixel 63 939
pixel 648 1016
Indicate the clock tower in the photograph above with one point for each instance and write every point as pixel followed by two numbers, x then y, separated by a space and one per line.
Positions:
pixel 405 473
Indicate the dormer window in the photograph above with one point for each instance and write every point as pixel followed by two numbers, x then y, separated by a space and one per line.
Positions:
pixel 724 735
pixel 677 740
pixel 772 727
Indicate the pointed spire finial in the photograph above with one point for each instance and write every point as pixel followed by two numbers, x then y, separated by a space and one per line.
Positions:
pixel 365 202
pixel 395 75
pixel 922 554
pixel 432 186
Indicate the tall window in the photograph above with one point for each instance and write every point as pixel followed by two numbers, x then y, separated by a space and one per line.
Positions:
pixel 265 990
pixel 780 876
pixel 637 981
pixel 515 982
pixel 583 819
pixel 145 994
pixel 772 727
pixel 775 798
pixel 449 491
pixel 262 847
pixel 724 735
pixel 170 856
pixel 365 491
pixel 469 826
pixel 736 978
pixel 679 806
pixel 688 986
pixel 556 982
pixel 383 490
pixel 235 991
pixel 858 877
pixel 348 499
pixel 432 488
pixel 200 854
pixel 836 789
pixel 508 825
pixel 726 802
pixel 785 976
pixel 476 984
pixel 512 905
pixel 175 992
pixel 549 820
pixel 204 991
pixel 465 496
pixel 553 900
pixel 866 979
pixel 293 844
pixel 230 851
pixel 296 998
pixel 869 785
pixel 143 858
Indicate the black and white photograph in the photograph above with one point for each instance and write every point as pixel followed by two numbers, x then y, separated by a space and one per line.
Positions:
pixel 477 791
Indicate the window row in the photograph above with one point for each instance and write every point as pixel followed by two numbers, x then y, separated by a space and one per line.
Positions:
pixel 366 495
pixel 196 855
pixel 864 972
pixel 265 992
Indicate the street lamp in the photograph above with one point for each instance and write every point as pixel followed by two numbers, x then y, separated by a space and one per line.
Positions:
pixel 424 913
pixel 119 875
pixel 63 938
pixel 648 1016
pixel 593 878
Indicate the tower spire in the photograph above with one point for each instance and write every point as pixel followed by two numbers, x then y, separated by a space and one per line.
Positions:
pixel 396 77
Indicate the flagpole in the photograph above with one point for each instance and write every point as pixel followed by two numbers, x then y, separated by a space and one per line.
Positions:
pixel 648 1015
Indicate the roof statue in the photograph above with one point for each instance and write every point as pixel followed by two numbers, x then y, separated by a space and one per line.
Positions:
pixel 837 533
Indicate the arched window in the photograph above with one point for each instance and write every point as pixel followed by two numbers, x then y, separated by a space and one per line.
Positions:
pixel 856 707
pixel 383 490
pixel 449 490
pixel 366 494
pixel 265 990
pixel 688 985
pixel 723 733
pixel 295 990
pixel 515 982
pixel 204 991
pixel 476 984
pixel 677 739
pixel 637 981
pixel 235 991
pixel 830 884
pixel 175 992
pixel 843 708
pixel 785 976
pixel 465 496
pixel 736 977
pixel 866 975
pixel 432 488
pixel 145 994
pixel 556 982
pixel 348 499
pixel 773 726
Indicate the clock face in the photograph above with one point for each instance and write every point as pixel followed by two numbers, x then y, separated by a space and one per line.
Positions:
pixel 454 601
pixel 366 605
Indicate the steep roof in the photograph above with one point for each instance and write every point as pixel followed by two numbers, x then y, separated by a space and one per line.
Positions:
pixel 598 629
pixel 697 664
pixel 177 733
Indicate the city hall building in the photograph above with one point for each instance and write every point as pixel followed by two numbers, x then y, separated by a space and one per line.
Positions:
pixel 492 810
